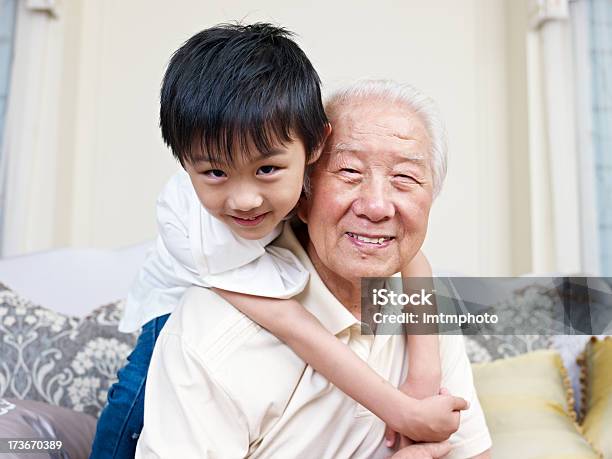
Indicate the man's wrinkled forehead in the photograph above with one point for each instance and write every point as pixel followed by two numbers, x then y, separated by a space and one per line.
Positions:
pixel 355 132
pixel 356 147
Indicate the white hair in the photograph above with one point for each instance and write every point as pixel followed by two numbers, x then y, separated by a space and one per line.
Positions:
pixel 413 99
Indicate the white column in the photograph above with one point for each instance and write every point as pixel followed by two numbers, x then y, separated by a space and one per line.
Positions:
pixel 550 20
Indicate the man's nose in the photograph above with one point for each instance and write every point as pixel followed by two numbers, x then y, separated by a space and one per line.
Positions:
pixel 245 198
pixel 375 201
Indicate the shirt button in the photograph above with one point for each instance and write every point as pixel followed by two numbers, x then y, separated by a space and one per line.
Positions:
pixel 135 436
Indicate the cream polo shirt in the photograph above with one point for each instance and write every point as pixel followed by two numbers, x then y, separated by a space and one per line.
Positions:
pixel 220 386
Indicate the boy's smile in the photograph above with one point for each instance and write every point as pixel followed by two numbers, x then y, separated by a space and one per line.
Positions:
pixel 250 221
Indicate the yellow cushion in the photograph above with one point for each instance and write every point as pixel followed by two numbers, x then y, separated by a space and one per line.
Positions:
pixel 597 401
pixel 528 405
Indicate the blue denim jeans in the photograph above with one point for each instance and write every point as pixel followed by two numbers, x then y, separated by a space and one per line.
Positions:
pixel 121 419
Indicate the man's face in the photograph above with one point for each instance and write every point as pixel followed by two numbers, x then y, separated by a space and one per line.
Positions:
pixel 255 193
pixel 371 191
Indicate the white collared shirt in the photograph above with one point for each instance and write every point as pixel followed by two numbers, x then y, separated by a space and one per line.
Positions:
pixel 220 386
pixel 194 248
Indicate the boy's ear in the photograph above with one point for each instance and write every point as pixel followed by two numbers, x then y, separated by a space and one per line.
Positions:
pixel 317 153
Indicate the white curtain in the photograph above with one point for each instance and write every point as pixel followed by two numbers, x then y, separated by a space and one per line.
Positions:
pixel 7 32
pixel 581 45
pixel 599 49
pixel 29 147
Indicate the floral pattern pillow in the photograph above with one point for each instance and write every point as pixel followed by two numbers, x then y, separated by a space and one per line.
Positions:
pixel 530 306
pixel 61 360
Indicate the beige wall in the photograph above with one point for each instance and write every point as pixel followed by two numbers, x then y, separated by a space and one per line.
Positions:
pixel 466 54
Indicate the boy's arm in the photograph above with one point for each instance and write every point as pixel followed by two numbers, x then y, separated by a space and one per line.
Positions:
pixel 424 369
pixel 424 372
pixel 433 419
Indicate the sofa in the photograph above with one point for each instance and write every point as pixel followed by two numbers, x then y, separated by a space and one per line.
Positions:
pixel 60 351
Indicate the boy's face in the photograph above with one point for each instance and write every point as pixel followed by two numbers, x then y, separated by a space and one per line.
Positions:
pixel 254 194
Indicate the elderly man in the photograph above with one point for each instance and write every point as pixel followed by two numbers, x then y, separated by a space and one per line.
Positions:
pixel 221 386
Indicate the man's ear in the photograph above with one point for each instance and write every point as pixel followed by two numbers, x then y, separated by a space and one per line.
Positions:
pixel 317 153
pixel 302 209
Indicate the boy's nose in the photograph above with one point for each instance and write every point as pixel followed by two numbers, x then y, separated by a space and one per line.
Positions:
pixel 245 200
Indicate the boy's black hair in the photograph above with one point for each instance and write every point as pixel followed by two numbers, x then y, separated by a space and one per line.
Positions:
pixel 232 84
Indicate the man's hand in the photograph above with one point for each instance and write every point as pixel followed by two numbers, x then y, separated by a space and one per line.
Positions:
pixel 432 419
pixel 424 451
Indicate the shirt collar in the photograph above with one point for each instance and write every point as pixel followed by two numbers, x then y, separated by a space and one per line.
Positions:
pixel 316 297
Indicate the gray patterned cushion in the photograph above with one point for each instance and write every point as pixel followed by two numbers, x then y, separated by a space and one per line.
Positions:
pixel 486 348
pixel 535 307
pixel 61 360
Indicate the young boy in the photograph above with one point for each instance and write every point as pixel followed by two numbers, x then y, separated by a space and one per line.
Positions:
pixel 241 110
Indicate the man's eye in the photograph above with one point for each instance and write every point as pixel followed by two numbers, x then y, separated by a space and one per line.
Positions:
pixel 406 178
pixel 214 173
pixel 349 170
pixel 267 170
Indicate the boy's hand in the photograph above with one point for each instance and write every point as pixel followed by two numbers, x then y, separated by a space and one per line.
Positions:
pixel 425 384
pixel 432 419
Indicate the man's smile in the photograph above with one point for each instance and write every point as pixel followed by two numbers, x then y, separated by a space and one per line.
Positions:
pixel 370 240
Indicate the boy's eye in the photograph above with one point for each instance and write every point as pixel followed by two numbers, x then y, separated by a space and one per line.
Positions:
pixel 267 170
pixel 214 173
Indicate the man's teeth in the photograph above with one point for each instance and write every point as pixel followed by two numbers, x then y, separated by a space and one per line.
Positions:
pixel 370 240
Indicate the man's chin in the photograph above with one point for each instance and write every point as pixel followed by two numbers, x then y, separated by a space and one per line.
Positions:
pixel 363 269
